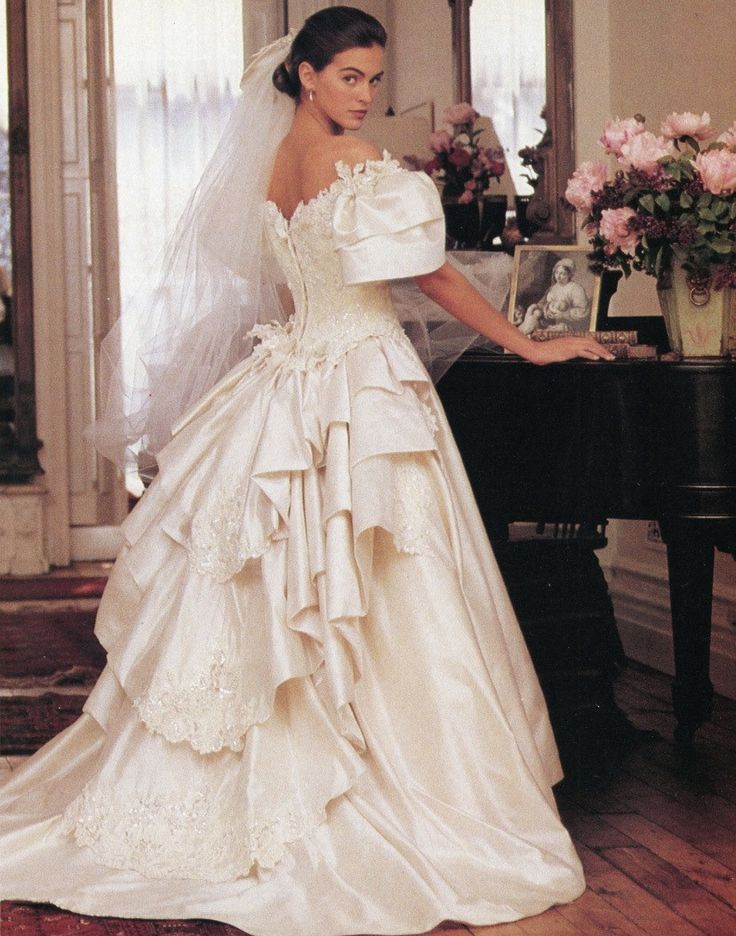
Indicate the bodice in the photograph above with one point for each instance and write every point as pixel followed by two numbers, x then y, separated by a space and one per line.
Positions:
pixel 329 316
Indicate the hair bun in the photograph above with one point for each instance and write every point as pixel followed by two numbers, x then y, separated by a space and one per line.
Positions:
pixel 283 82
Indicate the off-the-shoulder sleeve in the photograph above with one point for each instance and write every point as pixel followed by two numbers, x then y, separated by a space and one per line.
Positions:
pixel 388 226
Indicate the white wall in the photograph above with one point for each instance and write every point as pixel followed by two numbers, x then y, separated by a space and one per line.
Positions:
pixel 420 38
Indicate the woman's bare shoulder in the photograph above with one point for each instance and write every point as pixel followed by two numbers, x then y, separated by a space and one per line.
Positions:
pixel 320 161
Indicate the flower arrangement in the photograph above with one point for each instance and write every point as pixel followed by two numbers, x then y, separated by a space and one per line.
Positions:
pixel 532 157
pixel 672 197
pixel 463 168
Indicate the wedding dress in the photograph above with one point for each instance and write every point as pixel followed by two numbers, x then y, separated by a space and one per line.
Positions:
pixel 318 715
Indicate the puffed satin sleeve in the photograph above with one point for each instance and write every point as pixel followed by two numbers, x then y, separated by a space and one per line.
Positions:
pixel 389 229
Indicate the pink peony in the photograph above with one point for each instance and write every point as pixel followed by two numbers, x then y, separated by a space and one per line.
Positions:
pixel 729 136
pixel 493 160
pixel 644 151
pixel 717 168
pixel 440 142
pixel 457 114
pixel 688 124
pixel 459 158
pixel 588 178
pixel 614 227
pixel 617 132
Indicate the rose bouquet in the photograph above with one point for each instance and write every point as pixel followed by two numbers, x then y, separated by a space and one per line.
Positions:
pixel 460 165
pixel 672 198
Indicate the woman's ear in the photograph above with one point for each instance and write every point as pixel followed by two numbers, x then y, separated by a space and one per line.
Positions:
pixel 306 76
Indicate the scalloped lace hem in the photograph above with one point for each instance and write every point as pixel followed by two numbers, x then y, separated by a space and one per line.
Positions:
pixel 208 712
pixel 181 834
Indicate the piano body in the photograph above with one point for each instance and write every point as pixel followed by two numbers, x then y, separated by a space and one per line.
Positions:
pixel 584 441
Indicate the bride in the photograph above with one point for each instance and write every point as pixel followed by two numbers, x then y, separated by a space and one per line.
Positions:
pixel 318 716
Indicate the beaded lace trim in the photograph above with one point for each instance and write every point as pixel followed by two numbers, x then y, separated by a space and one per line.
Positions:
pixel 217 545
pixel 413 509
pixel 206 711
pixel 180 834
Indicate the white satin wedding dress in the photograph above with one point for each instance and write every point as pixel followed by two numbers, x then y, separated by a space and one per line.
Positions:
pixel 318 716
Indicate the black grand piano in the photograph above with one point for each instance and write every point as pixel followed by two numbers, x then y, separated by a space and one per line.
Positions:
pixel 583 441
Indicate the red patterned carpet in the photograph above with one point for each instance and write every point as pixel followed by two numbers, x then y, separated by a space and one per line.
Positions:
pixel 21 919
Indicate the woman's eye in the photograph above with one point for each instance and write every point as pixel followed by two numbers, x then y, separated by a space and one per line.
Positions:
pixel 376 80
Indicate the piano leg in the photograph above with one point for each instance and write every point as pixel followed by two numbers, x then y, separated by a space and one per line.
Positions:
pixel 690 562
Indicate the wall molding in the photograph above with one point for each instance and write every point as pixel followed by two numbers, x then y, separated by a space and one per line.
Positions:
pixel 22 546
pixel 48 271
pixel 640 595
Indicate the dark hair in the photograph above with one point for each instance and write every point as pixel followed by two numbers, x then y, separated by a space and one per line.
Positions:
pixel 321 38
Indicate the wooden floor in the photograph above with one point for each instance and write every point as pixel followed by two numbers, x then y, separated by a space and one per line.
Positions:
pixel 657 838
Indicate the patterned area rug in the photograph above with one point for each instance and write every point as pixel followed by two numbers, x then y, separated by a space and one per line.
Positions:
pixel 23 919
pixel 44 587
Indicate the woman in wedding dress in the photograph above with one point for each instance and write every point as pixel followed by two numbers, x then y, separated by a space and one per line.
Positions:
pixel 318 716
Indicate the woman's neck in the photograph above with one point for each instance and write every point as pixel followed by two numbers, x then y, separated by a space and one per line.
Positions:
pixel 310 123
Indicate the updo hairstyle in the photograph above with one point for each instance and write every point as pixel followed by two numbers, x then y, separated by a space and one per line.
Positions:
pixel 324 35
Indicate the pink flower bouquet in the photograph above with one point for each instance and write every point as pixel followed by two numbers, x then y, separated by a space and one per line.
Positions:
pixel 463 168
pixel 672 195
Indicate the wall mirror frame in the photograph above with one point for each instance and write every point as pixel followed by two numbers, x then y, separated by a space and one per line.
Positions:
pixel 554 159
pixel 18 442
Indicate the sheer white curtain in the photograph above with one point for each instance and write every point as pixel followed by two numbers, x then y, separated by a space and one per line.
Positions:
pixel 507 61
pixel 177 66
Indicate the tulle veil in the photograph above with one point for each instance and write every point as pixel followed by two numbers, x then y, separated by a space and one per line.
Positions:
pixel 193 318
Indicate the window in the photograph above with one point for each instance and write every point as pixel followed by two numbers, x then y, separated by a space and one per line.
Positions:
pixel 507 62
pixel 177 67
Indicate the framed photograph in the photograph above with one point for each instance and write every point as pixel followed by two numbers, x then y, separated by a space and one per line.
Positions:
pixel 553 291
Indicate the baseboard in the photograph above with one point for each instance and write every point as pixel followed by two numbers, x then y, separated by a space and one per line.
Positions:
pixel 641 605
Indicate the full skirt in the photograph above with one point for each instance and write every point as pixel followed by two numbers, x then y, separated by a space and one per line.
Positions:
pixel 318 715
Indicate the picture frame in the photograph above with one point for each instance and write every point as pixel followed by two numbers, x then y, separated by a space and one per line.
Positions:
pixel 553 291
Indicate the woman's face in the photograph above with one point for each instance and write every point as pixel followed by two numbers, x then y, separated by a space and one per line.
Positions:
pixel 345 88
pixel 562 274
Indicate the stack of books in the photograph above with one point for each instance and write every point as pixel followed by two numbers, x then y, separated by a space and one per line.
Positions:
pixel 623 345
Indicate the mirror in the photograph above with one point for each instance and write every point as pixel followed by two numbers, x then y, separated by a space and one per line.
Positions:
pixel 552 158
pixel 18 443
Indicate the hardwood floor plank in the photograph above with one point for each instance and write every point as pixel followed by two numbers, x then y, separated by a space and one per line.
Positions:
pixel 550 923
pixel 645 911
pixel 674 888
pixel 699 867
pixel 500 929
pixel 699 786
pixel 590 830
pixel 592 914
pixel 627 794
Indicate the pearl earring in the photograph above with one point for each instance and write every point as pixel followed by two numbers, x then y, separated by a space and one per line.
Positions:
pixel 311 95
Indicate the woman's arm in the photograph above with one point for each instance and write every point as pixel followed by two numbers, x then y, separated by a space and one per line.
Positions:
pixel 449 288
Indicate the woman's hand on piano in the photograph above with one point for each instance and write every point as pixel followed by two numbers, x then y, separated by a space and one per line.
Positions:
pixel 565 349
pixel 448 287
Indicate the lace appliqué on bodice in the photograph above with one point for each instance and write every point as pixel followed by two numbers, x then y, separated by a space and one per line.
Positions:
pixel 330 317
